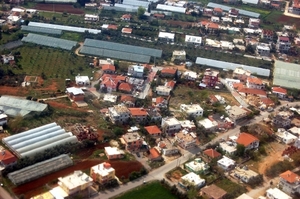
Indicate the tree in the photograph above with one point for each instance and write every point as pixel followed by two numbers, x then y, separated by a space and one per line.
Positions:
pixel 140 13
pixel 240 150
pixel 250 49
pixel 192 193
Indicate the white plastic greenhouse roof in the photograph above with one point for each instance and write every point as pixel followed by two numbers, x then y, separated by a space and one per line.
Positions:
pixel 65 28
pixel 40 169
pixel 136 3
pixel 41 30
pixel 170 8
pixel 232 66
pixel 120 7
pixel 57 1
pixel 14 106
pixel 227 8
pixel 31 142
pixel 286 74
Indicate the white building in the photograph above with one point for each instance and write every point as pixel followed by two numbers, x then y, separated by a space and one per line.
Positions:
pixel 192 109
pixel 113 153
pixel 289 182
pixel 215 19
pixel 192 179
pixel 241 74
pixel 3 119
pixel 136 71
pixel 208 124
pixel 254 23
pixel 75 182
pixel 244 174
pixel 189 39
pixel 170 125
pixel 228 147
pixel 190 75
pixel 167 37
pixel 275 193
pixel 285 136
pixel 118 113
pixel 186 139
pixel 263 49
pixel 82 80
pixel 163 90
pixel 88 17
pixel 197 166
pixel 226 163
pixel 102 172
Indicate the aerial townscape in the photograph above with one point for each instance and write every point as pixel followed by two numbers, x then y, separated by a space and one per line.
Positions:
pixel 150 99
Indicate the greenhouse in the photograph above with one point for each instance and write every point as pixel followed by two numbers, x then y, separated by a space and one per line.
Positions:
pixel 37 140
pixel 40 169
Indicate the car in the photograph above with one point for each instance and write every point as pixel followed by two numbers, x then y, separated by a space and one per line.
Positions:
pixel 138 154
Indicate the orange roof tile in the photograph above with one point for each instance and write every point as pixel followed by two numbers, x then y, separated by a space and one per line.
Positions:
pixel 279 90
pixel 238 86
pixel 6 157
pixel 152 129
pixel 169 71
pixel 171 84
pixel 154 153
pixel 162 145
pixel 218 10
pixel 108 67
pixel 267 101
pixel 121 78
pixel 289 176
pixel 125 87
pixel 104 76
pixel 246 139
pixel 110 82
pixel 126 16
pixel 127 98
pixel 137 111
pixel 112 27
pixel 212 153
pixel 252 91
pixel 127 30
pixel 159 100
pixel 254 80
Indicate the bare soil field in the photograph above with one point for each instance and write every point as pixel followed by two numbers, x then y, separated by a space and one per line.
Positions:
pixel 183 24
pixel 59 8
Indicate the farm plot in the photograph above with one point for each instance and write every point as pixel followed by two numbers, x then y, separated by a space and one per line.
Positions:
pixel 59 8
pixel 53 63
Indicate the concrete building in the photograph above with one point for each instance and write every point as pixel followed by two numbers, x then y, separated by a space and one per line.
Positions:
pixel 190 75
pixel 289 182
pixel 228 147
pixel 210 78
pixel 197 166
pixel 191 179
pixel 138 114
pixel 282 120
pixel 170 125
pixel 285 136
pixel 241 74
pixel 226 163
pixel 188 125
pixel 75 94
pixel 179 55
pixel 89 17
pixel 267 34
pixel 283 44
pixel 280 92
pixel 166 37
pixel 235 113
pixel 163 90
pixel 3 118
pixel 168 72
pixel 82 80
pixel 296 7
pixel 193 40
pixel 213 192
pixel 275 193
pixel 118 114
pixel 192 109
pixel 113 153
pixel 253 23
pixel 208 124
pixel 244 174
pixel 133 141
pixel 136 71
pixel 75 182
pixel 186 139
pixel 102 173
pixel 263 49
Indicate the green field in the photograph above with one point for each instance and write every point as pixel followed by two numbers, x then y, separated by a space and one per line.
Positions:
pixel 153 190
pixel 54 63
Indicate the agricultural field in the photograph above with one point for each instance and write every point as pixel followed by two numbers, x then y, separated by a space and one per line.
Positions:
pixel 233 189
pixel 148 191
pixel 54 63
pixel 59 8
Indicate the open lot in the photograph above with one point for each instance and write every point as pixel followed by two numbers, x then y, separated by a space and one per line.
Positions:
pixel 148 191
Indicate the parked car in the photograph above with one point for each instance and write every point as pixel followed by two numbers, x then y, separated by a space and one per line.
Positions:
pixel 138 154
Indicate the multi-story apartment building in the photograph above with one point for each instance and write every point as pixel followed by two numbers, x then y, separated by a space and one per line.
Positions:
pixel 254 82
pixel 138 114
pixel 133 141
pixel 118 114
pixel 283 44
pixel 289 182
pixel 102 173
pixel 210 78
pixel 170 125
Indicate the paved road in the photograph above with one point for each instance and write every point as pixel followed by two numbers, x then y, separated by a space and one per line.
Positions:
pixel 4 194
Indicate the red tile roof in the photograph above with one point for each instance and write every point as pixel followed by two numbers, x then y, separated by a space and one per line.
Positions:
pixel 112 27
pixel 162 145
pixel 154 153
pixel 159 100
pixel 279 90
pixel 254 80
pixel 171 84
pixel 104 76
pixel 6 157
pixel 110 82
pixel 267 101
pixel 212 153
pixel 268 32
pixel 246 139
pixel 127 30
pixel 108 67
pixel 234 11
pixel 252 91
pixel 138 111
pixel 169 71
pixel 125 87
pixel 152 129
pixel 126 16
pixel 158 15
pixel 238 85
pixel 126 98
pixel 282 38
pixel 209 24
pixel 218 10
pixel 290 176
pixel 121 78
